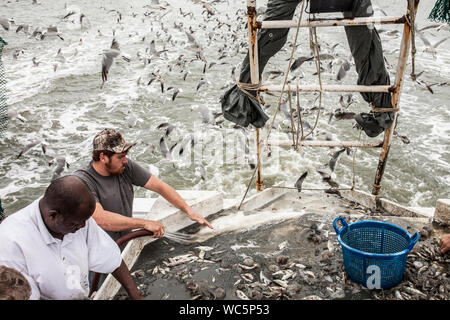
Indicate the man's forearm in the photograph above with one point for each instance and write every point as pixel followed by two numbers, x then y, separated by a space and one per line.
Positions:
pixel 122 274
pixel 169 193
pixel 111 221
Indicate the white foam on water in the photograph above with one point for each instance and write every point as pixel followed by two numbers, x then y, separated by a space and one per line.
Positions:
pixel 69 128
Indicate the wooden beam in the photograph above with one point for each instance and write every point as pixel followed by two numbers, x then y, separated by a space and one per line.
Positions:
pixel 360 21
pixel 326 88
pixel 322 143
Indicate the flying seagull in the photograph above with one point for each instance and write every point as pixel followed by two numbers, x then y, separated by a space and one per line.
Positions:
pixel 108 59
pixel 300 180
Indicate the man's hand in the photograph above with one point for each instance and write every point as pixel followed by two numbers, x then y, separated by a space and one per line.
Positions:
pixel 196 217
pixel 445 243
pixel 122 274
pixel 156 227
pixel 136 296
pixel 169 193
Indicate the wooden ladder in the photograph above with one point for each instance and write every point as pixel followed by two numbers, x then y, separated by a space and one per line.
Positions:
pixel 395 89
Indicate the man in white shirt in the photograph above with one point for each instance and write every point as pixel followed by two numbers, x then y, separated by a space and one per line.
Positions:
pixel 54 242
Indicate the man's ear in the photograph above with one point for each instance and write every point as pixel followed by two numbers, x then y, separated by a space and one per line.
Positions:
pixel 102 156
pixel 53 214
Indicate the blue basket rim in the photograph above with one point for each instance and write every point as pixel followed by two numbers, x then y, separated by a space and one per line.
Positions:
pixel 370 254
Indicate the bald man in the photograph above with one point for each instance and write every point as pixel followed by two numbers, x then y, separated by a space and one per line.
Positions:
pixel 54 242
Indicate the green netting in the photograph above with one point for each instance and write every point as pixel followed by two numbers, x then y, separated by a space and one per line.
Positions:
pixel 440 11
pixel 3 106
pixel 2 213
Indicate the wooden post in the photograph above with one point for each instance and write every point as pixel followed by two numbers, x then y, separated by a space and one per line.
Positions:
pixel 254 73
pixel 401 67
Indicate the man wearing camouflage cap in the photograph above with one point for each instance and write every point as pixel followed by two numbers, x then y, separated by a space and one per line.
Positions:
pixel 111 176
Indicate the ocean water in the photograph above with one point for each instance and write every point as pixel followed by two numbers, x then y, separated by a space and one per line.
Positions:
pixel 64 109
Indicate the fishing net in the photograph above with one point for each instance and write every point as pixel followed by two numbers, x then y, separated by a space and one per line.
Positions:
pixel 440 11
pixel 3 106
pixel 2 212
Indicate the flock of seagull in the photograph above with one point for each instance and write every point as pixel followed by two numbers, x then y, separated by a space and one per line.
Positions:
pixel 220 30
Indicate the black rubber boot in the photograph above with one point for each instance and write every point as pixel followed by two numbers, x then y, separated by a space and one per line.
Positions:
pixel 369 124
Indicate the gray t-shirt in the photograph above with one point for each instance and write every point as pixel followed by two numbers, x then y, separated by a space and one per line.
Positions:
pixel 115 193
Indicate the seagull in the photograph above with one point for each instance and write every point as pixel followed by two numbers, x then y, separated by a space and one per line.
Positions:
pixel 52 31
pixel 153 52
pixel 84 21
pixel 13 115
pixel 175 92
pixel 108 59
pixel 201 83
pixel 327 178
pixel 334 158
pixel 60 164
pixel 60 57
pixel 345 66
pixel 156 76
pixel 404 139
pixel 185 143
pixel 16 53
pixel 35 63
pixel 299 182
pixel 192 41
pixel 208 8
pixel 169 127
pixel 37 33
pixel 430 47
pixel 202 172
pixel 164 149
pixel 5 23
pixel 31 145
pixel 25 28
pixel 299 61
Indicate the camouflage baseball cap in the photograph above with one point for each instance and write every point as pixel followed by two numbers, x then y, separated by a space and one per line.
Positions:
pixel 111 140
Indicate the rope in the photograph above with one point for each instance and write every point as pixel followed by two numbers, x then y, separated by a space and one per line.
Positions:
pixel 353 162
pixel 317 60
pixel 411 20
pixel 299 117
pixel 249 86
pixel 292 120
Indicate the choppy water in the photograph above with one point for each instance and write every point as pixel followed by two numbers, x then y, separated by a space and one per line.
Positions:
pixel 66 108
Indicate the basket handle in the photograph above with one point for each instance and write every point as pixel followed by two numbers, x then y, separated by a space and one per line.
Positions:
pixel 414 240
pixel 343 222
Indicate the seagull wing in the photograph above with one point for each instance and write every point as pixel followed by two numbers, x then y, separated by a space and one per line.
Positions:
pixel 300 180
pixel 108 58
pixel 439 42
pixel 164 149
pixel 115 44
pixel 4 23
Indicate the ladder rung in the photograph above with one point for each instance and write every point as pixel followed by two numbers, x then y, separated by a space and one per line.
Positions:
pixel 360 21
pixel 327 88
pixel 326 143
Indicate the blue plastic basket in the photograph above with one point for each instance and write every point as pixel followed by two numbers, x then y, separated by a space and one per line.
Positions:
pixel 373 243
